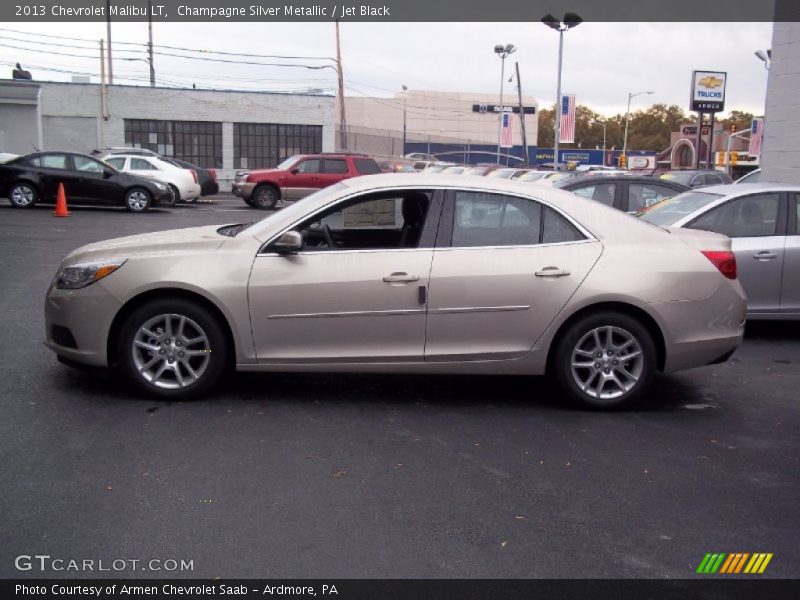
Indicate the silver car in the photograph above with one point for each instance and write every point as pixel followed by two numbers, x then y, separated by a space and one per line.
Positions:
pixel 763 220
pixel 394 273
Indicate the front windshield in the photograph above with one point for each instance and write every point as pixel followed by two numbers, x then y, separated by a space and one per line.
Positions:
pixel 287 164
pixel 670 210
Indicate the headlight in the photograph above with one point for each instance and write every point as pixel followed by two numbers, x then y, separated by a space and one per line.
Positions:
pixel 83 274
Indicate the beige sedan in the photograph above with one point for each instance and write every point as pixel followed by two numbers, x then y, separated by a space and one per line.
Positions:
pixel 392 273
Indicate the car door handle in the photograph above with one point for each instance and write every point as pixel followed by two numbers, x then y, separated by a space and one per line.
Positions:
pixel 400 277
pixel 765 255
pixel 552 272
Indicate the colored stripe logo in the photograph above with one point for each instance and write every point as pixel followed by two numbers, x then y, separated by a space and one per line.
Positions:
pixel 734 563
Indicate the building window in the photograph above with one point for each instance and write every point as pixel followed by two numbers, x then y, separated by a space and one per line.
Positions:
pixel 264 145
pixel 198 142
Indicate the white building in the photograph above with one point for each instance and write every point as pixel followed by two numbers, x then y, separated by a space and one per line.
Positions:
pixel 222 130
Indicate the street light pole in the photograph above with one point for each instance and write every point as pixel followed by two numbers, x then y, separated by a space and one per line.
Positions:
pixel 627 118
pixel 570 20
pixel 503 52
pixel 405 103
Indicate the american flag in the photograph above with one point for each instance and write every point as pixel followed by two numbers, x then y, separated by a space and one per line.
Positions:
pixel 507 137
pixel 756 133
pixel 567 135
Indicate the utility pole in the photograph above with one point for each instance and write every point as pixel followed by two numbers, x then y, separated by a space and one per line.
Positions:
pixel 102 94
pixel 150 43
pixel 342 118
pixel 405 106
pixel 108 35
pixel 522 118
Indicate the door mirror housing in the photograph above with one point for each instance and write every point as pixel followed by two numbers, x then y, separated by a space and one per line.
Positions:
pixel 288 243
pixel 107 173
pixel 294 171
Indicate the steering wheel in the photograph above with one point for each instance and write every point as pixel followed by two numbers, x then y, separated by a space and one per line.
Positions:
pixel 328 236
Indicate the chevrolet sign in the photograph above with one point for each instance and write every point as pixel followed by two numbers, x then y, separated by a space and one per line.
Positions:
pixel 708 91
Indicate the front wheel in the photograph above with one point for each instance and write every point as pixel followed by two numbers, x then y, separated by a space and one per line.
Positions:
pixel 137 200
pixel 172 348
pixel 265 197
pixel 22 195
pixel 605 361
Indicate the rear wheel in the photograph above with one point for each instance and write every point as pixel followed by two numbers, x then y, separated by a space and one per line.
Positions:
pixel 137 200
pixel 22 195
pixel 176 194
pixel 264 197
pixel 172 348
pixel 605 360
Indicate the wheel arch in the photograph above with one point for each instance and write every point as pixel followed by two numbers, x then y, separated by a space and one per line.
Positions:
pixel 268 183
pixel 160 293
pixel 27 180
pixel 625 308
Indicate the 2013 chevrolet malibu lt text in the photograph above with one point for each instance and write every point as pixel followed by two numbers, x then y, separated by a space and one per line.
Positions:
pixel 390 273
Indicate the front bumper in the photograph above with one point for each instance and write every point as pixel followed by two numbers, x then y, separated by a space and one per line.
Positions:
pixel 86 315
pixel 243 189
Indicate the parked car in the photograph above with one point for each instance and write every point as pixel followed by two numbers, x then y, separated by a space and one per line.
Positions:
pixel 207 178
pixel 454 169
pixel 396 166
pixel 697 178
pixel 508 173
pixel 533 280
pixel 753 176
pixel 34 178
pixel 763 220
pixel 548 178
pixel 421 156
pixel 630 193
pixel 437 167
pixel 182 182
pixel 298 176
pixel 7 156
pixel 480 170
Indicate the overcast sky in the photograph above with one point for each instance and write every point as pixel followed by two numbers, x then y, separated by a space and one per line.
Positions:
pixel 602 61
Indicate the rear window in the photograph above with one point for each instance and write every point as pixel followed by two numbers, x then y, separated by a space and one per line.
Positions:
pixel 367 166
pixel 670 211
pixel 334 165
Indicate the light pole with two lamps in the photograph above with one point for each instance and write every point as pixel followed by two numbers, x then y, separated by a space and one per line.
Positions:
pixel 627 118
pixel 570 20
pixel 503 52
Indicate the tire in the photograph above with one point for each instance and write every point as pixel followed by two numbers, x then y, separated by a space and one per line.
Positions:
pixel 265 197
pixel 625 368
pixel 249 202
pixel 138 200
pixel 176 195
pixel 159 364
pixel 23 195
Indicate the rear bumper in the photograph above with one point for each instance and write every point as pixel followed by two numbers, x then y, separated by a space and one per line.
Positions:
pixel 165 197
pixel 706 331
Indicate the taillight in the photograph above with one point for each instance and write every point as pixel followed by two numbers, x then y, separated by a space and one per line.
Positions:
pixel 194 174
pixel 724 260
pixel 213 174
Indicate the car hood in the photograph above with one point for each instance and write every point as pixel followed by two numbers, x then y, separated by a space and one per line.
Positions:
pixel 166 243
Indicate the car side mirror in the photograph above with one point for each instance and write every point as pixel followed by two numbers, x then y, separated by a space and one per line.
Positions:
pixel 107 173
pixel 294 171
pixel 289 243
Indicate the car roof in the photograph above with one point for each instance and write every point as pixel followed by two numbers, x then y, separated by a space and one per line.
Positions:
pixel 584 179
pixel 749 188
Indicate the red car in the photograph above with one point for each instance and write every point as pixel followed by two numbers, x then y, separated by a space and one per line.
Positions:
pixel 299 176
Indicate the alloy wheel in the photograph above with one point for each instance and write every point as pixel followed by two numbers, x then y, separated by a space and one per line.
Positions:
pixel 137 201
pixel 607 362
pixel 171 351
pixel 22 195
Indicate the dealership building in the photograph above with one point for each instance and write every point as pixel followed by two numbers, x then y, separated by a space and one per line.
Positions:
pixel 222 130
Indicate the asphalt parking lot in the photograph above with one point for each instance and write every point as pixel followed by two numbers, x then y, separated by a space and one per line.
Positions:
pixel 381 477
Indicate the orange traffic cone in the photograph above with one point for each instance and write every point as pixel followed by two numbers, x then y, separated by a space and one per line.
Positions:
pixel 61 203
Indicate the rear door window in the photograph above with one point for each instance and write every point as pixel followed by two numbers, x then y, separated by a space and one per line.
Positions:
pixel 494 220
pixel 600 192
pixel 140 164
pixel 750 216
pixel 367 166
pixel 334 165
pixel 642 195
